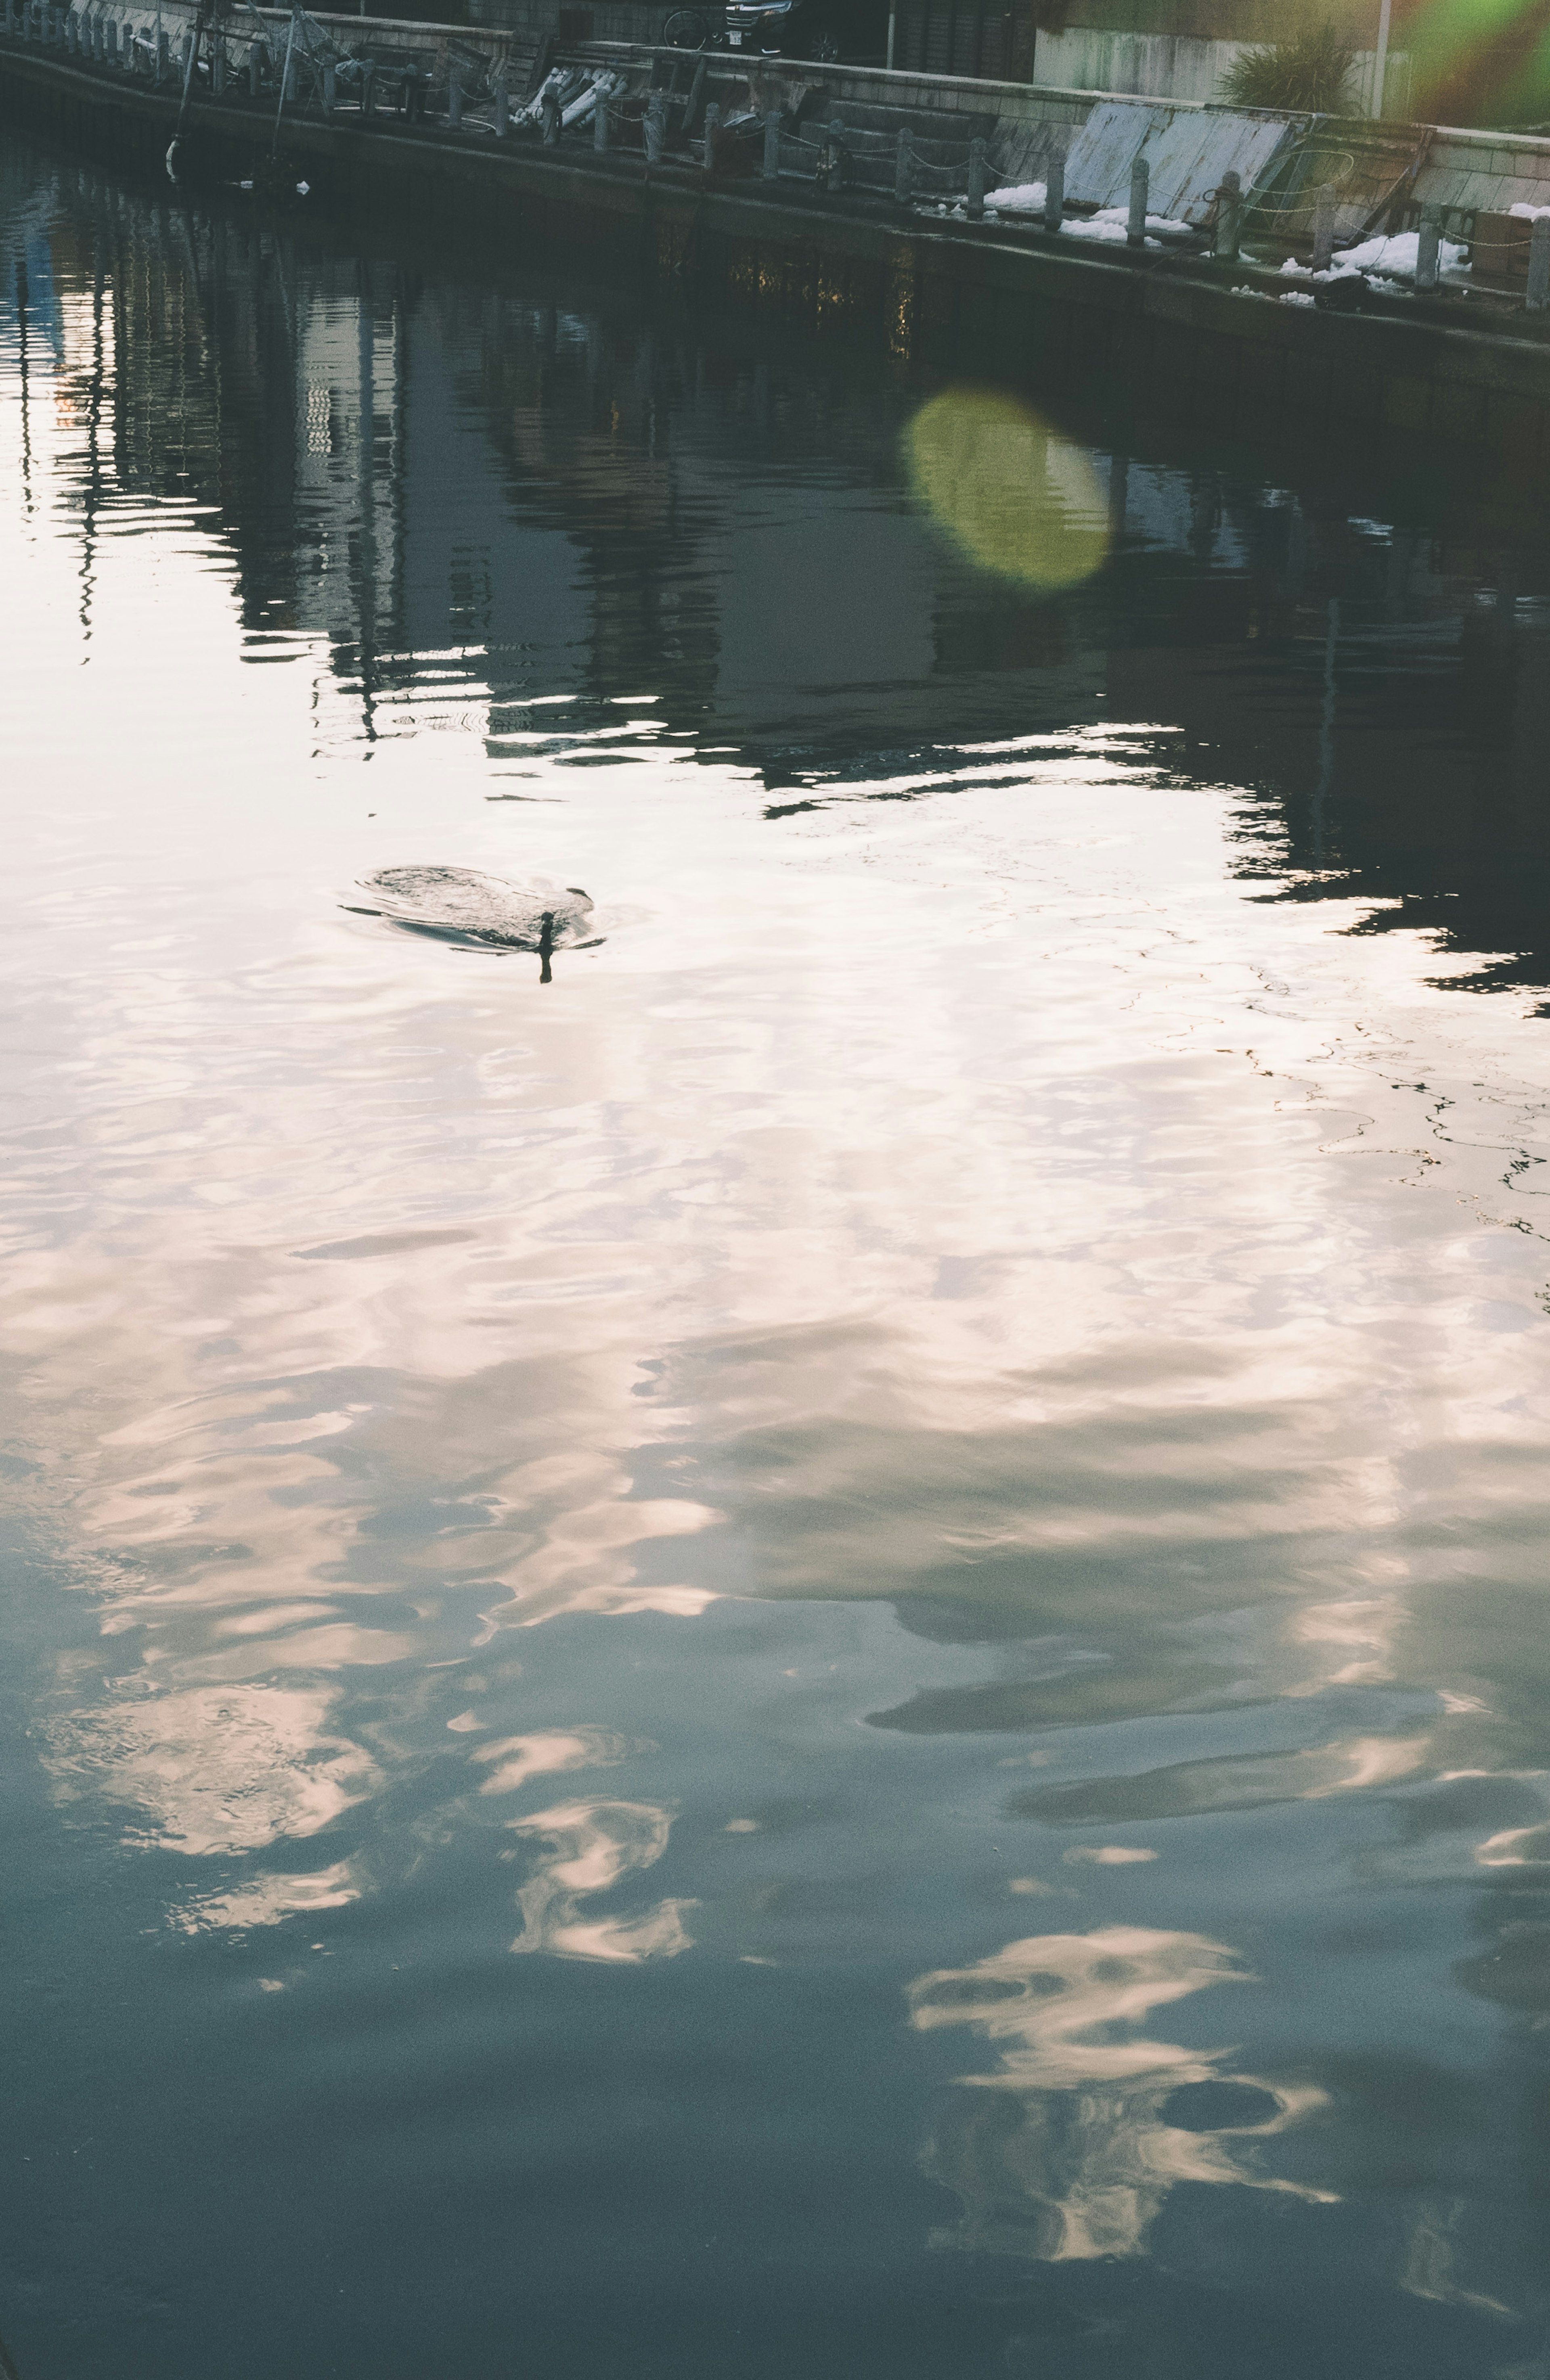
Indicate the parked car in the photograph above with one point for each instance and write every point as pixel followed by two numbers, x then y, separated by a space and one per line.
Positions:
pixel 856 30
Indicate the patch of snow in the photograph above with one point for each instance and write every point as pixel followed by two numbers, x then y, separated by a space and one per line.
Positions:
pixel 1297 297
pixel 1110 223
pixel 1396 257
pixel 1018 198
pixel 1243 290
pixel 1530 214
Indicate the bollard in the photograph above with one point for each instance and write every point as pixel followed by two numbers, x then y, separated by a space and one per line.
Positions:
pixel 600 124
pixel 1055 194
pixel 503 112
pixel 832 157
pixel 1538 296
pixel 330 89
pixel 1135 223
pixel 1229 219
pixel 979 174
pixel 904 167
pixel 454 101
pixel 368 92
pixel 164 55
pixel 550 119
pixel 771 144
pixel 255 70
pixel 1428 240
pixel 110 42
pixel 218 67
pixel 655 126
pixel 1324 226
pixel 713 134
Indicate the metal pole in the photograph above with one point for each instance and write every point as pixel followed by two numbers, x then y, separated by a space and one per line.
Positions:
pixel 454 100
pixel 771 144
pixel 1055 194
pixel 655 126
pixel 600 122
pixel 1135 226
pixel 1538 297
pixel 904 167
pixel 1379 61
pixel 503 110
pixel 550 119
pixel 893 20
pixel 712 134
pixel 287 83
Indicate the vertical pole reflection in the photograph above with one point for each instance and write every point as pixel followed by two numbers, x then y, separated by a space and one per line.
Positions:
pixel 1119 494
pixel 22 295
pixel 366 587
pixel 1326 729
pixel 93 456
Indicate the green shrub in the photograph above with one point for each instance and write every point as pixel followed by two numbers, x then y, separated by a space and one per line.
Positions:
pixel 1311 70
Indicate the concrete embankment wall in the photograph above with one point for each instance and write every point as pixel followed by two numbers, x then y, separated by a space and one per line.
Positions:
pixel 952 293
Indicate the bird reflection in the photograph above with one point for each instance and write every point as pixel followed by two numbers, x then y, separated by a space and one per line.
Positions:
pixel 1069 2148
pixel 459 904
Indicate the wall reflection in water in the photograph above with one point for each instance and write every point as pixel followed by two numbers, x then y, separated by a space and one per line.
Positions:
pixel 979 1360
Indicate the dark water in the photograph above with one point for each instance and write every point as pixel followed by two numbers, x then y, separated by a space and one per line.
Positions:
pixel 826 1650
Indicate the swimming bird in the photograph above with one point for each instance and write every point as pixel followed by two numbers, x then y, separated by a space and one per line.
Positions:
pixel 458 904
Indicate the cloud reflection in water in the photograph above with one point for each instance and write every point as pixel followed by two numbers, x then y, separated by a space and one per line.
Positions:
pixel 596 1845
pixel 1074 2156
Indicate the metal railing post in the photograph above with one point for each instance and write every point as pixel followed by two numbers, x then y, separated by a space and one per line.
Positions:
pixel 1230 220
pixel 1537 298
pixel 550 119
pixel 1324 226
pixel 904 167
pixel 771 144
pixel 656 127
pixel 600 123
pixel 712 134
pixel 979 174
pixel 1135 223
pixel 1055 194
pixel 1428 241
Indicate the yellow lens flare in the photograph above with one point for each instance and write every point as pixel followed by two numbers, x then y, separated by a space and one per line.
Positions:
pixel 1019 499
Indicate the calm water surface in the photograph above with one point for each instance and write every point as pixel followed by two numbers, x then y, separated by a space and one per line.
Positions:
pixel 823 1650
